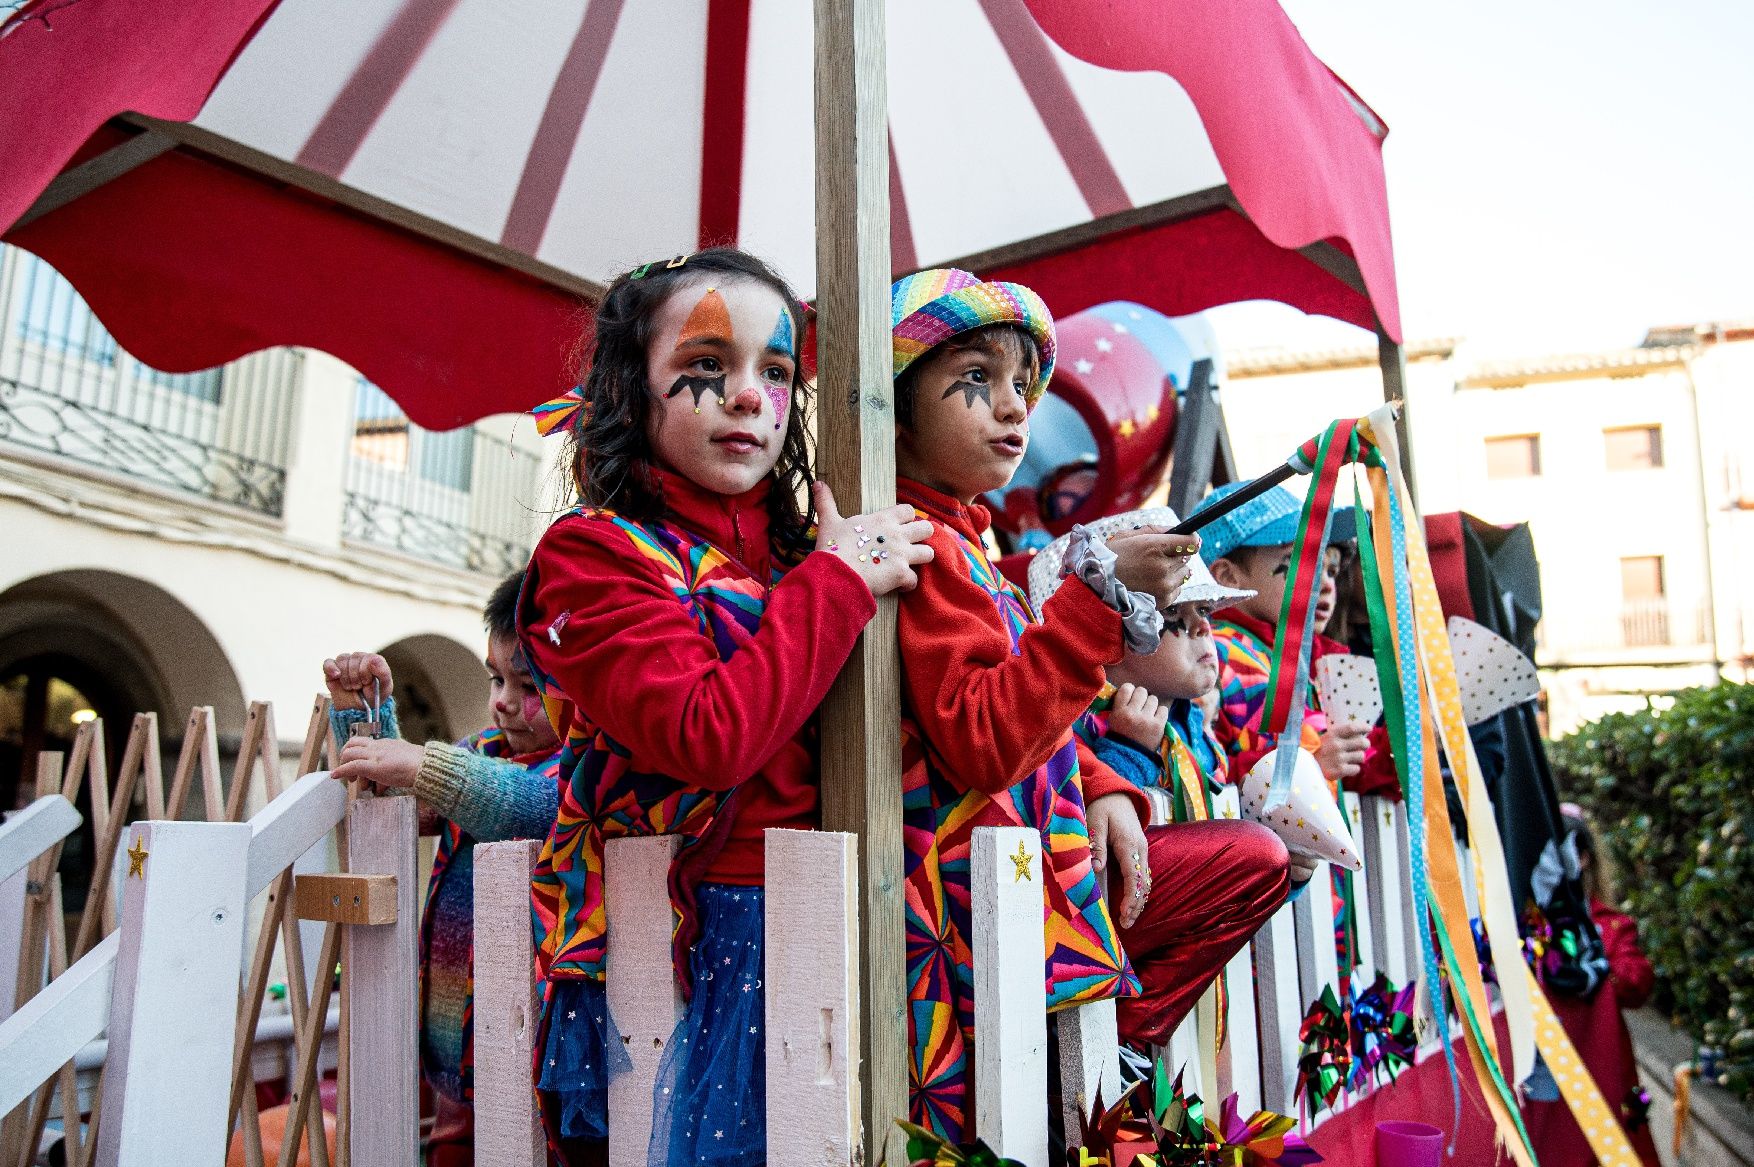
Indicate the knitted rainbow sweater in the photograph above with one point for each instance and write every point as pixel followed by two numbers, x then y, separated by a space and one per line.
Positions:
pixel 487 799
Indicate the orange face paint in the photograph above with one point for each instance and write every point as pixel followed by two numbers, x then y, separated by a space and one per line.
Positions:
pixel 710 320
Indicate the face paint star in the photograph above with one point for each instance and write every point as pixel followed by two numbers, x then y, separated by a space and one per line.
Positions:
pixel 1083 365
pixel 970 390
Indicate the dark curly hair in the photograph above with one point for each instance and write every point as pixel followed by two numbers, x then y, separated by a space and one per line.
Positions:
pixel 1012 339
pixel 608 448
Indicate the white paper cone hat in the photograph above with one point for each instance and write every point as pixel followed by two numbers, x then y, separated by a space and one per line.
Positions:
pixel 1310 822
pixel 1492 673
pixel 1348 689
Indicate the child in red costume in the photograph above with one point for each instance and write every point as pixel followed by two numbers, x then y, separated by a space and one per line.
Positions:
pixel 1250 549
pixel 1597 1025
pixel 990 695
pixel 687 629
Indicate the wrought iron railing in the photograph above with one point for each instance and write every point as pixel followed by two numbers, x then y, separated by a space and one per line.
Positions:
pixel 460 497
pixel 68 390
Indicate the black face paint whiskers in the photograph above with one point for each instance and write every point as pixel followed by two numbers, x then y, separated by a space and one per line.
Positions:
pixel 970 390
pixel 699 386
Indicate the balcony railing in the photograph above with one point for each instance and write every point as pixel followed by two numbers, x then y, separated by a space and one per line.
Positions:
pixel 69 391
pixel 1661 623
pixel 461 497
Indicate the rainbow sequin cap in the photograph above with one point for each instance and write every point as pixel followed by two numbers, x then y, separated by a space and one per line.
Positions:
pixel 929 307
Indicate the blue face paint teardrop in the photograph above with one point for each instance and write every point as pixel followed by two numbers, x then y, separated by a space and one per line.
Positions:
pixel 784 339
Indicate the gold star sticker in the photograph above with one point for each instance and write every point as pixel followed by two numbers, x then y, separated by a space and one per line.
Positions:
pixel 136 860
pixel 1229 812
pixel 1388 817
pixel 1126 429
pixel 1022 861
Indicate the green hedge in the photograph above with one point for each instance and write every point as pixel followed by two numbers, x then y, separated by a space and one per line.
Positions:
pixel 1672 797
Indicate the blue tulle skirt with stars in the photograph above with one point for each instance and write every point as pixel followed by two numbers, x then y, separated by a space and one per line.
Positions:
pixel 712 1082
pixel 583 1051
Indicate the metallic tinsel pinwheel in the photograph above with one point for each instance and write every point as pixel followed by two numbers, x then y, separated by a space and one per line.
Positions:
pixel 1161 1126
pixel 1383 1035
pixel 1324 1057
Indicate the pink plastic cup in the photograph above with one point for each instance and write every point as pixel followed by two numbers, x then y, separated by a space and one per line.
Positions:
pixel 1408 1144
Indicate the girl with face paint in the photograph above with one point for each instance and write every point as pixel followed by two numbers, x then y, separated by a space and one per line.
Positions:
pixel 684 622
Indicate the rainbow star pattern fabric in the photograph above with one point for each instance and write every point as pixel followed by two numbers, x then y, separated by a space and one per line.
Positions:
pixel 602 797
pixel 1084 959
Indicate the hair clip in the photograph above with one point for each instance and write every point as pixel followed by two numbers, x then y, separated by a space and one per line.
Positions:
pixel 561 412
pixel 639 273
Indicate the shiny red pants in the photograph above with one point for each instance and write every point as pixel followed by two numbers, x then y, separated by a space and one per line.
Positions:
pixel 1213 885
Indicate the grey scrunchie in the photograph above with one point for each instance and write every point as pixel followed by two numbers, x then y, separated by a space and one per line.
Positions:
pixel 1090 560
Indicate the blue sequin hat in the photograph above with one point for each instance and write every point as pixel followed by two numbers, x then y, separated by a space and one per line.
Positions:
pixel 1268 521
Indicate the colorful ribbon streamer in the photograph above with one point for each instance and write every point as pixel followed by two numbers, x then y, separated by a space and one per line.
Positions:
pixel 560 412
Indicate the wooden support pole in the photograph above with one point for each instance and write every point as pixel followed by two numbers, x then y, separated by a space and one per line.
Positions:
pixel 1010 993
pixel 861 748
pixel 382 962
pixel 507 1130
pixel 641 986
pixel 812 991
pixel 175 987
pixel 1393 359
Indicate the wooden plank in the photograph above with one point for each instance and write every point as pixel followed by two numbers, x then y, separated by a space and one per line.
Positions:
pixel 1361 881
pixel 288 827
pixel 31 831
pixel 1239 1069
pixel 383 960
pixel 861 752
pixel 1388 923
pixel 345 898
pixel 244 769
pixel 200 752
pixel 80 180
pixel 152 769
pixel 98 906
pixel 1183 1054
pixel 507 1129
pixel 812 985
pixel 306 1104
pixel 39 884
pixel 1278 1000
pixel 1470 884
pixel 175 985
pixel 1317 965
pixel 1404 863
pixel 13 896
pixel 1010 993
pixel 1188 206
pixel 1239 1059
pixel 641 985
pixel 1090 1063
pixel 52 1026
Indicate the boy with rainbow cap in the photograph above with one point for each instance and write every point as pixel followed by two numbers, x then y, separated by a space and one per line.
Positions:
pixel 991 690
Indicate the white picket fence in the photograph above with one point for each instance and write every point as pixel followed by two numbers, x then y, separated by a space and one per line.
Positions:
pixel 811 992
pixel 165 986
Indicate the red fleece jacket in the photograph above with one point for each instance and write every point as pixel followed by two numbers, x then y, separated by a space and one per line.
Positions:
pixel 636 662
pixel 992 715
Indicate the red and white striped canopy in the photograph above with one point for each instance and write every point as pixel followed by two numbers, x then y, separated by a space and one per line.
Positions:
pixel 427 188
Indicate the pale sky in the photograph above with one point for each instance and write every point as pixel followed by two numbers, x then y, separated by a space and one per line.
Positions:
pixel 1562 175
